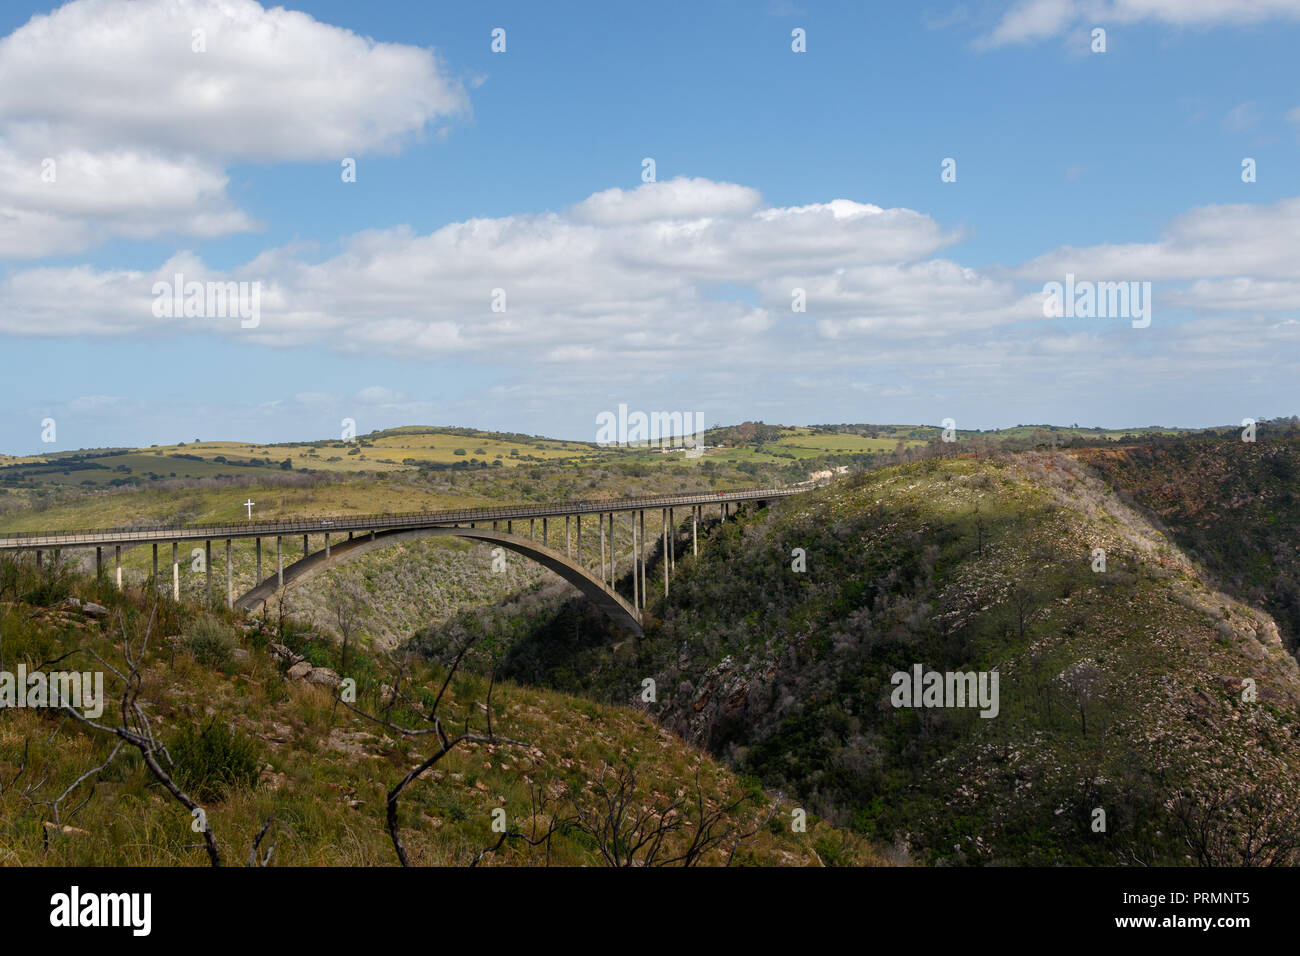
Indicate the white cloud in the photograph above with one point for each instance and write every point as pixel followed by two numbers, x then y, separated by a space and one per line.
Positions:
pixel 640 275
pixel 141 127
pixel 1031 20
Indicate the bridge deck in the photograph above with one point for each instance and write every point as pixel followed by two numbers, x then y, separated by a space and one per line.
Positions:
pixel 31 540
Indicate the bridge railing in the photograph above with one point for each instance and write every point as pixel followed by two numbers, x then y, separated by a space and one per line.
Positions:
pixel 328 523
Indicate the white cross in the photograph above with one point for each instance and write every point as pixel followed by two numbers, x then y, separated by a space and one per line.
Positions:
pixel 249 505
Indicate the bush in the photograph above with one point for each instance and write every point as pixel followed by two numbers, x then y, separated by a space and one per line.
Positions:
pixel 211 643
pixel 211 761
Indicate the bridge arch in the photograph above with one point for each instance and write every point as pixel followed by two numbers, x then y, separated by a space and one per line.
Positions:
pixel 618 610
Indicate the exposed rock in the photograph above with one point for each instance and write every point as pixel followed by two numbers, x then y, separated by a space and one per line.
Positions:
pixel 91 609
pixel 324 676
pixel 300 670
pixel 282 653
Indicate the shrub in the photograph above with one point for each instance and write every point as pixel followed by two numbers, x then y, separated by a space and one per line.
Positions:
pixel 211 761
pixel 211 643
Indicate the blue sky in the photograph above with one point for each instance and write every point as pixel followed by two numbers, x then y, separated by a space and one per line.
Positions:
pixel 522 171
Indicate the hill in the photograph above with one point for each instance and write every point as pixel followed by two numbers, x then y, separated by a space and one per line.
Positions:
pixel 1139 691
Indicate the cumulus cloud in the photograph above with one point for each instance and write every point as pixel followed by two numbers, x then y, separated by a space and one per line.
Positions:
pixel 624 271
pixel 1028 21
pixel 140 126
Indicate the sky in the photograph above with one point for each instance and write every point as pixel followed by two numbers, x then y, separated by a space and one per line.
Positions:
pixel 519 216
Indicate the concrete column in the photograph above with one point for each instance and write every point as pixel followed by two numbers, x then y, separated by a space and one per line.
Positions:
pixel 304 546
pixel 117 558
pixel 636 563
pixel 579 549
pixel 543 532
pixel 279 562
pixel 154 580
pixel 672 540
pixel 258 545
pixel 532 527
pixel 645 594
pixel 602 548
pixel 568 540
pixel 664 521
pixel 99 563
pixel 510 527
pixel 372 533
pixel 695 530
pixel 611 551
pixel 327 545
pixel 230 579
pixel 176 571
pixel 155 559
pixel 207 567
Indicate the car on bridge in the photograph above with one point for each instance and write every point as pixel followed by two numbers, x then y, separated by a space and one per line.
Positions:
pixel 327 523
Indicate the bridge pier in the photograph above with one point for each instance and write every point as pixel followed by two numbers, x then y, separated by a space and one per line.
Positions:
pixel 568 541
pixel 207 569
pixel 579 539
pixel 153 580
pixel 603 577
pixel 543 532
pixel 695 530
pixel 532 527
pixel 117 558
pixel 155 551
pixel 99 563
pixel 279 560
pixel 230 582
pixel 257 544
pixel 176 571
pixel 305 552
pixel 672 541
pixel 664 521
pixel 636 573
pixel 327 545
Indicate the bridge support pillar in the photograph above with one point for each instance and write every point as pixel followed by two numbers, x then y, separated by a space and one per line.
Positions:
pixel 663 520
pixel 695 530
pixel 532 527
pixel 230 579
pixel 603 576
pixel 154 579
pixel 568 539
pixel 636 572
pixel 99 563
pixel 176 571
pixel 258 547
pixel 579 548
pixel 510 527
pixel 207 569
pixel 305 552
pixel 279 561
pixel 543 532
pixel 155 557
pixel 327 545
pixel 117 559
pixel 611 551
pixel 672 540
pixel 645 594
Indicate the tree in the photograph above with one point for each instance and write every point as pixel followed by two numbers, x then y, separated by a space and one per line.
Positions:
pixel 347 602
pixel 1084 681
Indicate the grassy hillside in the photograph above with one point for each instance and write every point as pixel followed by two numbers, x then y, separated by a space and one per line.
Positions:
pixel 249 744
pixel 1120 690
pixel 1234 504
